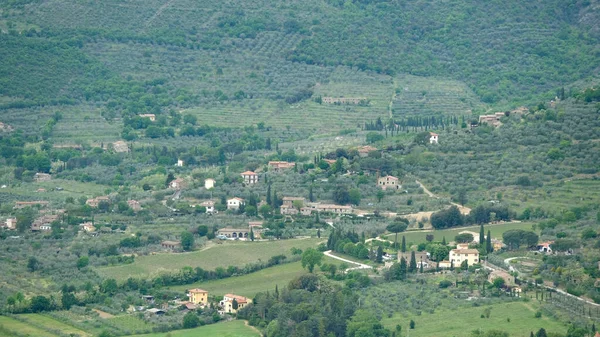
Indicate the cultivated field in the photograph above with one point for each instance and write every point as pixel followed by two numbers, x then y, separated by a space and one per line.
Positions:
pixel 516 318
pixel 50 324
pixel 227 329
pixel 229 253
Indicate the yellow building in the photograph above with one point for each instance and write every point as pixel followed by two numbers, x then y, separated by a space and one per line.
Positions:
pixel 198 296
pixel 457 256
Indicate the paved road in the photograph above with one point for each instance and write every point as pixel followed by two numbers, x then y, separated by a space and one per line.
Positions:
pixel 360 265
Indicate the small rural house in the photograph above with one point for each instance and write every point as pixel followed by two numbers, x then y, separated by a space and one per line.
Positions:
pixel 94 202
pixel 134 205
pixel 280 165
pixel 545 247
pixel 509 280
pixel 209 183
pixel 288 210
pixel 235 203
pixel 250 177
pixel 331 208
pixel 209 205
pixel 290 200
pixel 388 182
pixel 179 163
pixel 198 296
pixel 228 306
pixel 152 117
pixel 11 223
pixel 120 146
pixel 363 151
pixel 42 177
pixel 433 138
pixel 460 254
pixel 234 233
pixel 177 184
pixel 171 244
pixel 87 227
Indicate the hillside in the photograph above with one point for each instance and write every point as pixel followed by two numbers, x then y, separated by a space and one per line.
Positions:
pixel 258 61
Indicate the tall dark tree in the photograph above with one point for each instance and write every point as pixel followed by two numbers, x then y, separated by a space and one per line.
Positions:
pixel 488 244
pixel 269 194
pixel 481 235
pixel 403 248
pixel 396 227
pixel 311 197
pixel 379 257
pixel 412 267
pixel 187 241
pixel 402 272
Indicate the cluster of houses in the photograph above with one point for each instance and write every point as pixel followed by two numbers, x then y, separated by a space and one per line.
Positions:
pixel 197 299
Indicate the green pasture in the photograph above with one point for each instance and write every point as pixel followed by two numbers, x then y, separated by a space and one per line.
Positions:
pixel 21 328
pixel 516 318
pixel 226 329
pixel 50 324
pixel 251 284
pixel 224 254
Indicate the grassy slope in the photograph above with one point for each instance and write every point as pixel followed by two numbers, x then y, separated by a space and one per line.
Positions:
pixel 23 328
pixel 51 324
pixel 227 329
pixel 227 254
pixel 250 284
pixel 460 323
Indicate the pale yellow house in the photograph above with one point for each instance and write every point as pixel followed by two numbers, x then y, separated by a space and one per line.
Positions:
pixel 227 303
pixel 198 296
pixel 457 256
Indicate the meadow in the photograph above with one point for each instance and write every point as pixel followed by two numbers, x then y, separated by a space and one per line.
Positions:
pixel 250 284
pixel 516 318
pixel 228 253
pixel 20 328
pixel 227 329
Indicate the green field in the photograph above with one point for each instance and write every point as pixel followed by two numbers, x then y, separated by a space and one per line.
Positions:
pixel 417 237
pixel 250 284
pixel 227 329
pixel 516 318
pixel 23 328
pixel 51 324
pixel 228 253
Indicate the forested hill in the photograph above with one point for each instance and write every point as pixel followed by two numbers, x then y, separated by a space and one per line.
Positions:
pixel 62 50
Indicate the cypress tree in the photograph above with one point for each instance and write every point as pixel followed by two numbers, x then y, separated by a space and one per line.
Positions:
pixel 488 243
pixel 311 197
pixel 379 258
pixel 402 271
pixel 481 235
pixel 412 267
pixel 444 240
pixel 403 244
pixel 269 194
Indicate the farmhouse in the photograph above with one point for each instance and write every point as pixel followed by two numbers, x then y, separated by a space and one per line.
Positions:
pixel 120 146
pixel 209 183
pixel 87 227
pixel 228 305
pixel 363 151
pixel 170 244
pixel 280 165
pixel 433 138
pixel 331 208
pixel 152 117
pixel 198 296
pixel 234 233
pixel 250 177
pixel 460 254
pixel 94 202
pixel 509 280
pixel 42 177
pixel 209 205
pixel 289 201
pixel 388 182
pixel 492 120
pixel 545 247
pixel 288 210
pixel 177 184
pixel 134 205
pixel 23 204
pixel 11 223
pixel 179 163
pixel 419 256
pixel 235 203
pixel 445 264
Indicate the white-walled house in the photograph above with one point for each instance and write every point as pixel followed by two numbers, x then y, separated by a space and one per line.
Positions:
pixel 433 138
pixel 235 203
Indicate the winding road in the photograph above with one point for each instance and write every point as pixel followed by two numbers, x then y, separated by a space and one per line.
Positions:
pixel 360 265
